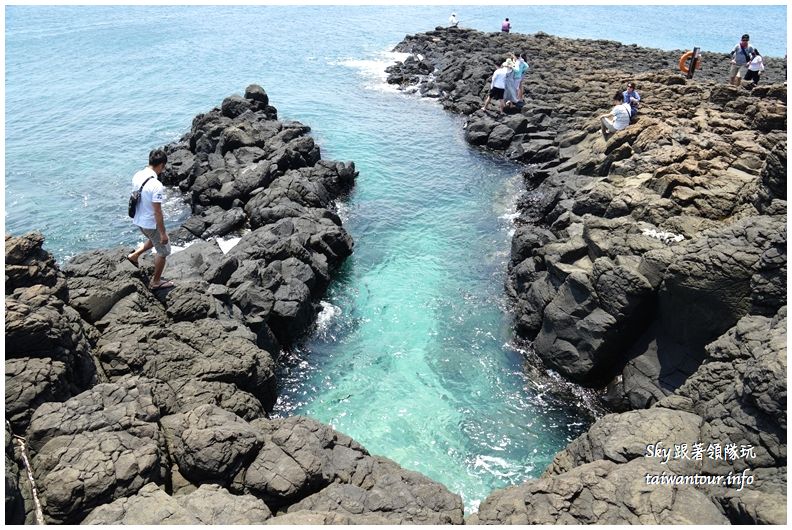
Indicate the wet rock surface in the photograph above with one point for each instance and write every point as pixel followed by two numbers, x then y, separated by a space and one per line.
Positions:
pixel 142 407
pixel 650 263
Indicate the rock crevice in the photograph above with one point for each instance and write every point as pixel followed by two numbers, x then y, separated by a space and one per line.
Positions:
pixel 643 263
pixel 150 408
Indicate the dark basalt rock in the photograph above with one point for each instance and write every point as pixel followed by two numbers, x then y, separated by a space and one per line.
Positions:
pixel 209 505
pixel 14 499
pixel 601 492
pixel 28 265
pixel 633 257
pixel 209 444
pixel 141 407
pixel 46 343
pixel 153 439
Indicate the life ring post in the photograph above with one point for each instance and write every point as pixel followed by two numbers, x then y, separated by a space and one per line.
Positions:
pixel 690 61
pixel 694 62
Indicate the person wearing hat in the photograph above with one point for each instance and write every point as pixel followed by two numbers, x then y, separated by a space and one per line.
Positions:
pixel 632 97
pixel 740 59
pixel 498 86
pixel 453 21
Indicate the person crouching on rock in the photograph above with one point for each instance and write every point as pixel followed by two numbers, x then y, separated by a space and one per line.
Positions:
pixel 620 113
pixel 148 217
pixel 632 97
pixel 498 86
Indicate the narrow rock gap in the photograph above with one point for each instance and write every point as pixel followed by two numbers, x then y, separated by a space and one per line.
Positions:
pixel 21 444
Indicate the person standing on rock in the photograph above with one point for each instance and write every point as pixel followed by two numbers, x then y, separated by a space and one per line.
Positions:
pixel 506 25
pixel 498 86
pixel 149 219
pixel 519 73
pixel 453 21
pixel 620 114
pixel 740 58
pixel 632 97
pixel 510 92
pixel 755 67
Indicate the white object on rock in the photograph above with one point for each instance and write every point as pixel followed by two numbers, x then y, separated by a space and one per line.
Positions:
pixel 665 237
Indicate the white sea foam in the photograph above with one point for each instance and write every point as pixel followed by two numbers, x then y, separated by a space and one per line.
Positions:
pixel 495 466
pixel 227 244
pixel 509 216
pixel 342 209
pixel 177 248
pixel 373 70
pixel 328 313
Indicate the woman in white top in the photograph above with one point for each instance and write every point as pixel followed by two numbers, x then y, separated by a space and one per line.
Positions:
pixel 754 68
pixel 621 116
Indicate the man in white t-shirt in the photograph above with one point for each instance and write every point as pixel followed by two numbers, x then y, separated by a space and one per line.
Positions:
pixel 148 217
pixel 453 21
pixel 621 116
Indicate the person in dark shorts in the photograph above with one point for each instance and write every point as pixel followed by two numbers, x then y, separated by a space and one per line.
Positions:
pixel 498 86
pixel 755 68
pixel 506 25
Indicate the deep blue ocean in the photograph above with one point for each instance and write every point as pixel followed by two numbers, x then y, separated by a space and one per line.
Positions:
pixel 413 354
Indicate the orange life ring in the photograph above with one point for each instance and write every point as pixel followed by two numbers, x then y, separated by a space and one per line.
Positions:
pixel 683 67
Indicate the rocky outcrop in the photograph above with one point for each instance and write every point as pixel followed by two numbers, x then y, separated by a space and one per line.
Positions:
pixel 209 504
pixel 645 263
pixel 155 452
pixel 147 408
pixel 600 492
pixel 46 344
pixel 615 210
pixel 231 313
pixel 14 483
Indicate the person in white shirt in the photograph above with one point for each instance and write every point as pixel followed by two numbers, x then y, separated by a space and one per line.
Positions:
pixel 621 116
pixel 148 217
pixel 453 21
pixel 755 67
pixel 498 86
pixel 740 57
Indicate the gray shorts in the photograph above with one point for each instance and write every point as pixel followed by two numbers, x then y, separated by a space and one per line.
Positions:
pixel 608 125
pixel 738 69
pixel 154 236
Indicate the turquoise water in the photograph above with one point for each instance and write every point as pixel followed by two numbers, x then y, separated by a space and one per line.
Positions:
pixel 413 355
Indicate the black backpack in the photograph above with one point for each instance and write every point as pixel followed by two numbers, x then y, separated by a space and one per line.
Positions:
pixel 134 198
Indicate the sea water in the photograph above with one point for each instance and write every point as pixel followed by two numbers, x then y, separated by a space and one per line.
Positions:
pixel 413 353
